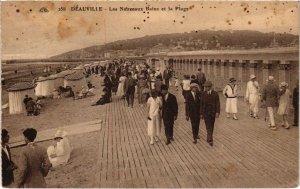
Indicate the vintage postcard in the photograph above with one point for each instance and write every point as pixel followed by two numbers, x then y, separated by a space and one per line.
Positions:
pixel 150 94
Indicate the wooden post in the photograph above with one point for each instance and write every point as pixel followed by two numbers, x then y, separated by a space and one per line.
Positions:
pixel 267 66
pixel 284 68
pixel 252 65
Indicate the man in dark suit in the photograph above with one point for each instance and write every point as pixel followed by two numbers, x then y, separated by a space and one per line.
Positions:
pixel 192 109
pixel 34 163
pixel 8 166
pixel 169 112
pixel 167 75
pixel 210 109
pixel 129 89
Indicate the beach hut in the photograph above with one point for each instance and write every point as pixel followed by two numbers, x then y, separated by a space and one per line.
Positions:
pixel 45 86
pixel 16 94
pixel 58 80
pixel 39 86
pixel 76 81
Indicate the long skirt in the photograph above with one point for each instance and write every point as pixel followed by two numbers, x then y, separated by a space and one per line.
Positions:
pixel 231 105
pixel 142 97
pixel 120 91
pixel 154 126
pixel 253 100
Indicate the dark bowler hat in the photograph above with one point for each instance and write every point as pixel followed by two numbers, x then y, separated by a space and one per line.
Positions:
pixel 232 80
pixel 207 84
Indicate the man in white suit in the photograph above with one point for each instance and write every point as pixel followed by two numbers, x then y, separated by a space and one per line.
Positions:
pixel 252 96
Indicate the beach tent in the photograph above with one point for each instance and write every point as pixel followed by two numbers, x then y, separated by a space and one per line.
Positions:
pixel 45 86
pixel 67 72
pixel 39 86
pixel 16 94
pixel 58 80
pixel 76 81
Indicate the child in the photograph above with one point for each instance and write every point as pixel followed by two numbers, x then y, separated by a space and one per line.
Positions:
pixel 284 103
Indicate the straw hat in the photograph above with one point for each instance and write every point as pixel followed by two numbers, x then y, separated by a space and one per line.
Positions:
pixel 252 76
pixel 271 78
pixel 232 80
pixel 60 134
pixel 284 84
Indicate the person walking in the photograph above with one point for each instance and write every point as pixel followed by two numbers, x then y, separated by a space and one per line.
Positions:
pixel 8 166
pixel 186 82
pixel 252 96
pixel 209 109
pixel 284 102
pixel 154 105
pixel 201 78
pixel 129 89
pixel 270 97
pixel 142 88
pixel 230 93
pixel 169 112
pixel 296 104
pixel 34 163
pixel 167 76
pixel 192 110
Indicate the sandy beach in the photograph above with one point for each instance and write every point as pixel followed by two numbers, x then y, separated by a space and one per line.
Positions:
pixel 58 113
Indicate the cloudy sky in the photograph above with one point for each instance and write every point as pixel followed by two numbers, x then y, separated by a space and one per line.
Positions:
pixel 28 33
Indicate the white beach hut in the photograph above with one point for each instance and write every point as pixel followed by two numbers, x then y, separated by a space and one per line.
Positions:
pixel 76 81
pixel 45 86
pixel 39 86
pixel 16 94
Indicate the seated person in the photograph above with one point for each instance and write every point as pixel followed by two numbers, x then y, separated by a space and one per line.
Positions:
pixel 70 92
pixel 30 106
pixel 90 86
pixel 55 94
pixel 83 92
pixel 59 154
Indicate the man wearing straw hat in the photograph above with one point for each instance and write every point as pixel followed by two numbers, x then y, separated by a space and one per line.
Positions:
pixel 252 96
pixel 192 109
pixel 270 96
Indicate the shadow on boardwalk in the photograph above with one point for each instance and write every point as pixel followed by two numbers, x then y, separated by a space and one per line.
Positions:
pixel 246 153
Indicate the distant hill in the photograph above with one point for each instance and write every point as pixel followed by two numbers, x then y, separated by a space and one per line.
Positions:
pixel 194 40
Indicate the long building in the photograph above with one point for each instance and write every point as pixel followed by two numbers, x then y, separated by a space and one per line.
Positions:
pixel 219 66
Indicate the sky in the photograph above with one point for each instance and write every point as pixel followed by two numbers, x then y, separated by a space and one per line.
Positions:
pixel 26 32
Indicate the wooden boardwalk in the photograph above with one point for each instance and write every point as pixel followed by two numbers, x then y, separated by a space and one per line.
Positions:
pixel 245 153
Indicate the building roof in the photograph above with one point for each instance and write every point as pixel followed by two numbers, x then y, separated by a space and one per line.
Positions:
pixel 74 76
pixel 21 86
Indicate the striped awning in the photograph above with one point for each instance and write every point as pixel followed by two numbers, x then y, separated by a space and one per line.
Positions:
pixel 21 86
pixel 74 76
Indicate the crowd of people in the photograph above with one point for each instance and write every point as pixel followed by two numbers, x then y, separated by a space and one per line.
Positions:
pixel 125 79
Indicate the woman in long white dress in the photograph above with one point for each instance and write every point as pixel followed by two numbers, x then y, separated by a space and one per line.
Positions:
pixel 230 93
pixel 154 105
pixel 120 91
pixel 59 154
pixel 284 102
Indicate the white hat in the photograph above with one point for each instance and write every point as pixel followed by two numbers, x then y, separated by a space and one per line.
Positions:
pixel 271 78
pixel 60 133
pixel 284 84
pixel 252 76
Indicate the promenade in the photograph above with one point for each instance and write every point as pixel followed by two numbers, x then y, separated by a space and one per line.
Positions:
pixel 246 153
